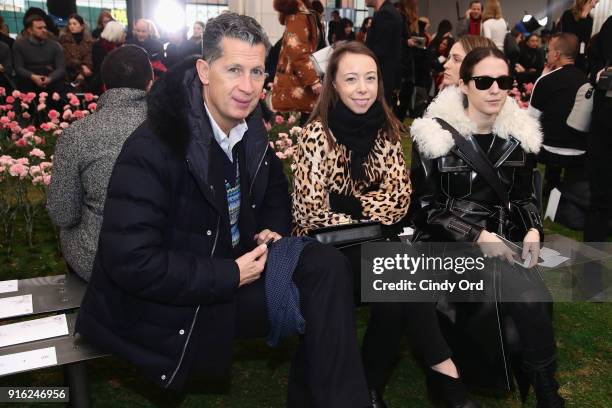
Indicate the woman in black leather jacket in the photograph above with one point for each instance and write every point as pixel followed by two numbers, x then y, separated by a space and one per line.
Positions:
pixel 455 199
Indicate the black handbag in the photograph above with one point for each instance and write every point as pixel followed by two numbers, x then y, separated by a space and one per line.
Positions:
pixel 345 235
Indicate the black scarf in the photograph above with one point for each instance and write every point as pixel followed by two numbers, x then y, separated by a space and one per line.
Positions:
pixel 78 37
pixel 357 132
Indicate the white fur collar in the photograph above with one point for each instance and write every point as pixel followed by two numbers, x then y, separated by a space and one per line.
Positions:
pixel 434 142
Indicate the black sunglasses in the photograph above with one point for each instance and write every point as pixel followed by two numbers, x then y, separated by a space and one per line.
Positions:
pixel 485 82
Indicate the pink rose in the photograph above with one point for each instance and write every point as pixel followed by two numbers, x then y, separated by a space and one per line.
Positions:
pixel 55 96
pixel 18 170
pixel 45 165
pixel 43 94
pixel 53 114
pixel 57 132
pixel 25 115
pixel 291 120
pixel 75 101
pixel 37 179
pixel 89 97
pixel 11 115
pixel 16 94
pixel 30 129
pixel 47 179
pixel 6 160
pixel 5 120
pixel 8 107
pixel 45 127
pixel 41 107
pixel 67 115
pixel 64 125
pixel 279 119
pixel 36 152
pixel 2 91
pixel 35 170
pixel 268 126
pixel 92 106
pixel 38 140
pixel 25 106
pixel 10 99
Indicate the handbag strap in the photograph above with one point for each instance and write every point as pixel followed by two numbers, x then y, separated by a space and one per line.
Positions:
pixel 469 151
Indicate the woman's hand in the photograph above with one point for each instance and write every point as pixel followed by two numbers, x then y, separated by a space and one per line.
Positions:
pixel 493 247
pixel 316 88
pixel 531 245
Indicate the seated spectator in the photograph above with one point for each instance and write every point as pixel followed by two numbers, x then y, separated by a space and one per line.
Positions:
pixel 77 44
pixel 531 60
pixel 39 62
pixel 346 33
pixel 334 28
pixel 178 47
pixel 112 37
pixel 552 100
pixel 194 200
pixel 85 155
pixel 197 36
pixel 511 46
pixel 6 67
pixel 4 34
pixel 145 35
pixel 363 31
pixel 103 18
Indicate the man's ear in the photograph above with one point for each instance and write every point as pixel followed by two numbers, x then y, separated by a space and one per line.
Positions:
pixel 203 69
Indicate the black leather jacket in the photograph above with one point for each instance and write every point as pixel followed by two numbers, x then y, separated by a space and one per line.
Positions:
pixel 454 203
pixel 451 202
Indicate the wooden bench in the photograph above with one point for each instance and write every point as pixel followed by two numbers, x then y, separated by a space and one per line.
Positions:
pixel 55 295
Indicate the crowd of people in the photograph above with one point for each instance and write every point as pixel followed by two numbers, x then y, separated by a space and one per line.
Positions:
pixel 183 223
pixel 47 58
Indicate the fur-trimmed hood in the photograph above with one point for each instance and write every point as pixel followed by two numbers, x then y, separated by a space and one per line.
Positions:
pixel 434 142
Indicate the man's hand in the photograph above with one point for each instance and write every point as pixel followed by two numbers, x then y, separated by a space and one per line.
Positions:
pixel 265 235
pixel 252 264
pixel 467 13
pixel 39 80
pixel 519 68
pixel 1 68
pixel 46 81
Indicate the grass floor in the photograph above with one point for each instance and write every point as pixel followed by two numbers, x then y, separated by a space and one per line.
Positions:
pixel 259 377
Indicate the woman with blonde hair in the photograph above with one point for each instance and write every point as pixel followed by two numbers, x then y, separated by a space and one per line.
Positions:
pixel 494 26
pixel 103 18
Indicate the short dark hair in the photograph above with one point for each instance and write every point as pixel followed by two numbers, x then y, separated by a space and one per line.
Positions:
pixel 31 19
pixel 475 56
pixel 475 1
pixel 566 44
pixel 127 67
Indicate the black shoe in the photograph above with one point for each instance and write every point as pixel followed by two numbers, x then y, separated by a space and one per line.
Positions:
pixel 541 374
pixel 376 399
pixel 451 391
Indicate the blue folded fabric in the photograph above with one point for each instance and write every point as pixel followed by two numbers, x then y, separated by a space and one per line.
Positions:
pixel 282 295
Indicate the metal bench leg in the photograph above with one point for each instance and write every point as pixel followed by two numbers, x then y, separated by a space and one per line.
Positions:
pixel 75 376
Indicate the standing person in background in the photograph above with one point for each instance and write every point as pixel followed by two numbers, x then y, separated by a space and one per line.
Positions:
pixel 145 35
pixel 4 36
pixel 296 84
pixel 472 22
pixel 333 27
pixel 103 18
pixel 577 20
pixel 494 26
pixel 362 35
pixel 6 67
pixel 85 155
pixel 77 44
pixel 385 39
pixel 318 8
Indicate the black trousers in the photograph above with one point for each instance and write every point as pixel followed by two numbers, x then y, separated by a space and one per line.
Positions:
pixel 573 168
pixel 326 369
pixel 389 321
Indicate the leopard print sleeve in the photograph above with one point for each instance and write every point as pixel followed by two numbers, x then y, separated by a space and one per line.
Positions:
pixel 311 169
pixel 389 203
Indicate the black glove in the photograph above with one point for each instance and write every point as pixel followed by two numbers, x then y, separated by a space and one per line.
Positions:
pixel 346 204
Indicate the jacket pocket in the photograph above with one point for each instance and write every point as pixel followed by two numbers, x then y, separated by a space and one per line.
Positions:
pixel 455 177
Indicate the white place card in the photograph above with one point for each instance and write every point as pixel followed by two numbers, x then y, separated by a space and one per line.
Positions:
pixel 553 261
pixel 16 306
pixel 27 360
pixel 8 286
pixel 553 204
pixel 32 330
